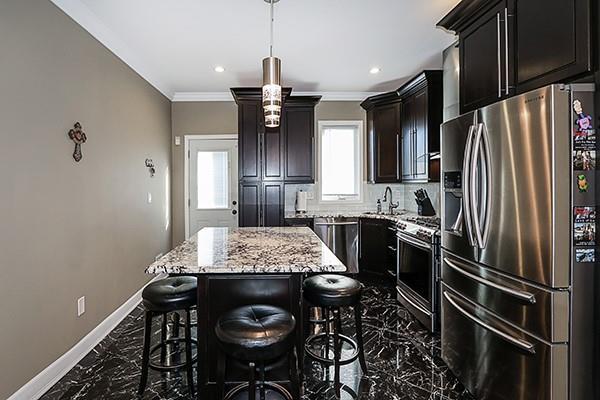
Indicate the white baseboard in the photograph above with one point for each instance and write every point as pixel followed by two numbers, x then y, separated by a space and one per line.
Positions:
pixel 42 382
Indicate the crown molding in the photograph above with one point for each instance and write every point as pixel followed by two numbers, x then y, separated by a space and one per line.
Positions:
pixel 226 96
pixel 82 15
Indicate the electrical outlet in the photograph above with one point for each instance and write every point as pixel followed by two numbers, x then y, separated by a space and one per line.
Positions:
pixel 159 255
pixel 149 198
pixel 80 306
pixel 177 140
pixel 310 195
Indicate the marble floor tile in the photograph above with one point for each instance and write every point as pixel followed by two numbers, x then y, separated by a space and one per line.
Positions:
pixel 403 362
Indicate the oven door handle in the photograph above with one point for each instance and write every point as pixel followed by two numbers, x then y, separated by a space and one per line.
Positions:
pixel 521 344
pixel 412 303
pixel 414 242
pixel 525 296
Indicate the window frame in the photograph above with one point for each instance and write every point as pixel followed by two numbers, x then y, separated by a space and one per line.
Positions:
pixel 359 154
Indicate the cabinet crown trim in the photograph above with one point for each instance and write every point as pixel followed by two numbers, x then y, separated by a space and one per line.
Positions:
pixel 462 14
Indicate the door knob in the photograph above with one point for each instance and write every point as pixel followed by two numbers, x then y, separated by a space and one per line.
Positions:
pixel 234 212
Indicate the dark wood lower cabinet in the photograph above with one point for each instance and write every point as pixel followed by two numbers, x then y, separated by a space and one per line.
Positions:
pixel 261 203
pixel 377 247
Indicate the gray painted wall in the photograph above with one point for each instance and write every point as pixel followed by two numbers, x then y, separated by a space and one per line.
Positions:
pixel 71 229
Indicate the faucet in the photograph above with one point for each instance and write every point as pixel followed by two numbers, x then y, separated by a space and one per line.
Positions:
pixel 391 204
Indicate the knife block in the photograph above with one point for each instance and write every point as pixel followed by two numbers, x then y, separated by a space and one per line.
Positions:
pixel 425 208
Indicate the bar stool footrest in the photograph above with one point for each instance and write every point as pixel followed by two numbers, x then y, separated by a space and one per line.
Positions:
pixel 330 361
pixel 175 367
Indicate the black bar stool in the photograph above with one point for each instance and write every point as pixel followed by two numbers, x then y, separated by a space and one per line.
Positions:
pixel 331 292
pixel 257 334
pixel 161 298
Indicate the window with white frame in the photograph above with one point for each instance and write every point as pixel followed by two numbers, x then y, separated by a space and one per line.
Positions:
pixel 340 160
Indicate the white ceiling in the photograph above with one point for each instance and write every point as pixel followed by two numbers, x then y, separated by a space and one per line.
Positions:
pixel 325 45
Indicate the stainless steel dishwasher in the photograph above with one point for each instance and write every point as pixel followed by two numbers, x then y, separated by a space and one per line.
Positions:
pixel 341 236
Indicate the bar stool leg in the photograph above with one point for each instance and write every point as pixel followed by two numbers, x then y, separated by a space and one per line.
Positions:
pixel 337 356
pixel 221 367
pixel 294 379
pixel 252 382
pixel 188 351
pixel 262 380
pixel 176 324
pixel 359 337
pixel 327 336
pixel 146 351
pixel 163 338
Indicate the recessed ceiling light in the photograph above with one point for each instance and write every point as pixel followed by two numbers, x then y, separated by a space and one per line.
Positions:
pixel 374 70
pixel 218 68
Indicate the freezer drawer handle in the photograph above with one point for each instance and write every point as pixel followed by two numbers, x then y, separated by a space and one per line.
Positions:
pixel 526 296
pixel 523 345
pixel 412 303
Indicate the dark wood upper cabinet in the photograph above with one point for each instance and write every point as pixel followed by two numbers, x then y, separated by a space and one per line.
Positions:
pixel 383 138
pixel 422 99
pixel 249 130
pixel 298 124
pixel 403 131
pixel 509 47
pixel 556 46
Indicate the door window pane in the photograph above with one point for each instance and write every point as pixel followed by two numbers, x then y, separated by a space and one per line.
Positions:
pixel 213 179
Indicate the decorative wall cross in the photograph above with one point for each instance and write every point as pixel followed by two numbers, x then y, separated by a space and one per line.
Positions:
pixel 77 135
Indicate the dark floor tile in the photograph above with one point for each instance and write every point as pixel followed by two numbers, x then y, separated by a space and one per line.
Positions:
pixel 403 360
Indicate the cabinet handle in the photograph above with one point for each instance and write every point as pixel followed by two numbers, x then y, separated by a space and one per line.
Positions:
pixel 397 156
pixel 499 56
pixel 507 88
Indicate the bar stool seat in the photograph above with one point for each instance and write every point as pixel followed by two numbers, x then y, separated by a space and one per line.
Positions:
pixel 330 290
pixel 255 334
pixel 174 293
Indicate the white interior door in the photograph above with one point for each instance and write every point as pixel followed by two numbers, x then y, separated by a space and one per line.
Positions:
pixel 213 184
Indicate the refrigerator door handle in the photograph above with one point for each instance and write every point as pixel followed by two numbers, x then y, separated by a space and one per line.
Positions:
pixel 521 344
pixel 488 183
pixel 525 296
pixel 474 206
pixel 466 186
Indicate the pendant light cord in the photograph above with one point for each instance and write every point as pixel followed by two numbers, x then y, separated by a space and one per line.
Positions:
pixel 272 21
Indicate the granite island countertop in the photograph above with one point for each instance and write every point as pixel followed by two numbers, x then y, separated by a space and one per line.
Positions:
pixel 249 251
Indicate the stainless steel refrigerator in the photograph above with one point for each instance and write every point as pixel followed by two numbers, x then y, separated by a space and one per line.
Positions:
pixel 519 259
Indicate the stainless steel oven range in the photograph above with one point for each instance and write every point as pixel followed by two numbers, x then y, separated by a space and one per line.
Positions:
pixel 417 268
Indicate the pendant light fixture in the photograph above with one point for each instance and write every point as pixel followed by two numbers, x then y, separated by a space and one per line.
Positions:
pixel 271 90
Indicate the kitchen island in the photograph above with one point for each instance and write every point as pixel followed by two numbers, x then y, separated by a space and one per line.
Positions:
pixel 240 266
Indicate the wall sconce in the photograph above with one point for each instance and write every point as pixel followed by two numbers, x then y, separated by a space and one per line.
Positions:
pixel 150 164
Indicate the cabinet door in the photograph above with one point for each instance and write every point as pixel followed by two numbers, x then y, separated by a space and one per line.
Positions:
pixel 272 154
pixel 373 255
pixel 249 126
pixel 249 197
pixel 272 203
pixel 386 135
pixel 552 41
pixel 298 128
pixel 421 152
pixel 482 55
pixel 408 128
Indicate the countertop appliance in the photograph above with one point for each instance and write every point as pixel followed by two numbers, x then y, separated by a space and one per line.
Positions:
pixel 417 267
pixel 301 201
pixel 519 278
pixel 340 234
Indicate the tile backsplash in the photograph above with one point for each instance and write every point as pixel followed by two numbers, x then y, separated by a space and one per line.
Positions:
pixel 402 193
